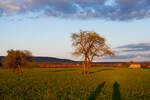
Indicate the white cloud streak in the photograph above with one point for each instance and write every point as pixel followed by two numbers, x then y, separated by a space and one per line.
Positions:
pixel 131 52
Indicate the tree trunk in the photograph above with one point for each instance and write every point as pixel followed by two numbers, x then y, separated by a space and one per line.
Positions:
pixel 88 65
pixel 20 69
pixel 84 65
pixel 14 69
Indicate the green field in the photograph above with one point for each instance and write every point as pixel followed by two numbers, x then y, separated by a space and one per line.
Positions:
pixel 69 84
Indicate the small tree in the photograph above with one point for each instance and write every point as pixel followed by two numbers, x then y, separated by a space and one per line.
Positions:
pixel 88 45
pixel 16 59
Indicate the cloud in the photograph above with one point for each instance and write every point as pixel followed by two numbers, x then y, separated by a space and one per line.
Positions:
pixel 131 52
pixel 136 47
pixel 79 9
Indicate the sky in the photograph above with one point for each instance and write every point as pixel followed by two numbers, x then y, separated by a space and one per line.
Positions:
pixel 44 27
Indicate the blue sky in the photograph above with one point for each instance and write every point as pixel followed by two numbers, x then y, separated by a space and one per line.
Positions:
pixel 44 26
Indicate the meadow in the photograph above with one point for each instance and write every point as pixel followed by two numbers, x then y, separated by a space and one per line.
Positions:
pixel 102 83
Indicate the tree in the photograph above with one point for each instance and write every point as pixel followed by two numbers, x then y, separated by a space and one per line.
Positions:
pixel 89 44
pixel 15 59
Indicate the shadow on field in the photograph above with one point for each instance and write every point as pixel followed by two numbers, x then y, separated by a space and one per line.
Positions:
pixel 0 92
pixel 100 70
pixel 116 92
pixel 64 70
pixel 95 93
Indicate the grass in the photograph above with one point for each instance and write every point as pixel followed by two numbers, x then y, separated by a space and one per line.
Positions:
pixel 69 84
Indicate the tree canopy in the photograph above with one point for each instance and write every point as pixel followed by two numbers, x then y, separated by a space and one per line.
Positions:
pixel 17 58
pixel 89 44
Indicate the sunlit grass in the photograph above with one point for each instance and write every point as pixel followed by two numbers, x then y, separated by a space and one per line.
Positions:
pixel 70 84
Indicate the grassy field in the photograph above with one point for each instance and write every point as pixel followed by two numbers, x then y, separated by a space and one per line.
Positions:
pixel 69 84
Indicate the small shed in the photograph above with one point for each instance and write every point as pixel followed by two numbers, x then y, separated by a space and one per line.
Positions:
pixel 135 66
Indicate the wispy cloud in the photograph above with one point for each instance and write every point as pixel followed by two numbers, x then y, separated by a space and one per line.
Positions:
pixel 134 52
pixel 79 9
pixel 135 47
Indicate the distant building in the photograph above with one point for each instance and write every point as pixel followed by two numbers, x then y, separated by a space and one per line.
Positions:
pixel 135 66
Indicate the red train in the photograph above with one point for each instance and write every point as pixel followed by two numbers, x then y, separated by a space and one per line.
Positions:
pixel 55 66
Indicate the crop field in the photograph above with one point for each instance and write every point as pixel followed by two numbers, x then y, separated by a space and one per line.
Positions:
pixel 103 83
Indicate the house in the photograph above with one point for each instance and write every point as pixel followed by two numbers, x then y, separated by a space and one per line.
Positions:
pixel 135 66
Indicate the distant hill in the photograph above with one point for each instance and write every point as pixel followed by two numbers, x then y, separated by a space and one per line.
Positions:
pixel 46 59
pixel 53 59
